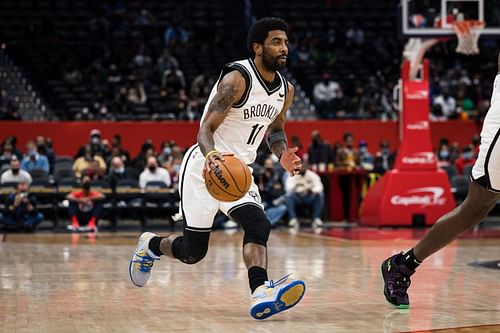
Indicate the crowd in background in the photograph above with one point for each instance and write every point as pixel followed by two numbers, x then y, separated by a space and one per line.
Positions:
pixel 346 70
pixel 286 199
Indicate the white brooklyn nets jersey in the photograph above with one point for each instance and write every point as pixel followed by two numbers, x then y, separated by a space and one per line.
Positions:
pixel 245 125
pixel 486 170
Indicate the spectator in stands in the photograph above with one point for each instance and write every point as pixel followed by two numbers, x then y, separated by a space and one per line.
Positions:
pixel 136 93
pixel 12 140
pixel 448 106
pixel 175 37
pixel 272 192
pixel 118 171
pixel 153 172
pixel 173 166
pixel 384 158
pixel 144 18
pixel 200 88
pixel 366 160
pixel 94 171
pixel 347 158
pixel 118 150
pixel 319 152
pixel 166 62
pixel 347 155
pixel 173 83
pixel 44 149
pixel 83 163
pixel 7 154
pixel 355 36
pixel 327 95
pixel 34 160
pixel 147 150
pixel 15 174
pixel 95 145
pixel 304 189
pixel 443 154
pixel 465 160
pixel 20 209
pixel 85 207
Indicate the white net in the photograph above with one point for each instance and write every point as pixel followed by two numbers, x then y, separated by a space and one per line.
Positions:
pixel 468 33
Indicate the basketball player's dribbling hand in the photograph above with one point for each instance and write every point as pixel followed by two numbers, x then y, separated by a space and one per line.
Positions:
pixel 291 162
pixel 211 158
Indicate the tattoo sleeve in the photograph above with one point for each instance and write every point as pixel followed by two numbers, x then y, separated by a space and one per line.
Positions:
pixel 218 109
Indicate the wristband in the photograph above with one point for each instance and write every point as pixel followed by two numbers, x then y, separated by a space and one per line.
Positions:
pixel 211 152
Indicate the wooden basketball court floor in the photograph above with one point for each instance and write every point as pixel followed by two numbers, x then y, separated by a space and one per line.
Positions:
pixel 76 283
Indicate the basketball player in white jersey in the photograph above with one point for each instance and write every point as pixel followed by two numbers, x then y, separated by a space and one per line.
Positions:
pixel 250 98
pixel 484 192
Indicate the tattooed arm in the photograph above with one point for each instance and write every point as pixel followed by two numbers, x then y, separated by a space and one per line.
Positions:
pixel 230 90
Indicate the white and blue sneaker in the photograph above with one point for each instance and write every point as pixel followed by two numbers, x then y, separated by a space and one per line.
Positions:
pixel 274 297
pixel 140 266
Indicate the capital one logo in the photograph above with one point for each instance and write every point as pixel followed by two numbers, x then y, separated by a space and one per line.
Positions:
pixel 419 158
pixel 418 95
pixel 422 196
pixel 418 125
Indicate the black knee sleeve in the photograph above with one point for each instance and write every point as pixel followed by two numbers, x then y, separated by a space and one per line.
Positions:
pixel 192 247
pixel 254 222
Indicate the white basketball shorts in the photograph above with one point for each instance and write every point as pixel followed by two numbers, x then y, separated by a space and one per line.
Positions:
pixel 197 206
pixel 486 170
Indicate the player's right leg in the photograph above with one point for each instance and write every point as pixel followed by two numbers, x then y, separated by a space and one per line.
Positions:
pixel 268 297
pixel 397 269
pixel 198 209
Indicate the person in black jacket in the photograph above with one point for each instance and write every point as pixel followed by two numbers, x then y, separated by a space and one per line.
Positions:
pixel 20 209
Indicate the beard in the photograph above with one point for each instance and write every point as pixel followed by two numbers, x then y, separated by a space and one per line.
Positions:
pixel 271 63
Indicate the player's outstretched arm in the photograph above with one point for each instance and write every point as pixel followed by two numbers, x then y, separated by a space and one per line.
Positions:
pixel 277 141
pixel 230 90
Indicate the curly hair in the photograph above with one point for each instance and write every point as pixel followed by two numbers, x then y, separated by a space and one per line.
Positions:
pixel 259 30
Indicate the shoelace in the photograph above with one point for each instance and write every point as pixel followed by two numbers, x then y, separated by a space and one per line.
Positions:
pixel 145 263
pixel 272 284
pixel 400 284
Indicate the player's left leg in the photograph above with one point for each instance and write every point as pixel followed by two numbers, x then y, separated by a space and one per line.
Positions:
pixel 268 297
pixel 396 270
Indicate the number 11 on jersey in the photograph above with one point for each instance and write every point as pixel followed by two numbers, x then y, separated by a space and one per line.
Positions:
pixel 255 131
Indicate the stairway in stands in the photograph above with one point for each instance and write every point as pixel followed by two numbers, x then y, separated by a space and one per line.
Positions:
pixel 30 106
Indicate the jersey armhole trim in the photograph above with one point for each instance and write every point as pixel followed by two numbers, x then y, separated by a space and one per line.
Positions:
pixel 248 81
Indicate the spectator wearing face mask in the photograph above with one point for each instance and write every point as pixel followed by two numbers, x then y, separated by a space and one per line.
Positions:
pixel 384 158
pixel 84 207
pixel 154 173
pixel 95 144
pixel 118 171
pixel 45 149
pixel 15 174
pixel 443 155
pixel 173 166
pixel 33 160
pixel 466 159
pixel 365 158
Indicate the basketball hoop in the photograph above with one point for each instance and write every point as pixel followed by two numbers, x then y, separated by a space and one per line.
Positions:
pixel 468 32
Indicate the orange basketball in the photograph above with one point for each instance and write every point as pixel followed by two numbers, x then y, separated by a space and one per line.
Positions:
pixel 230 181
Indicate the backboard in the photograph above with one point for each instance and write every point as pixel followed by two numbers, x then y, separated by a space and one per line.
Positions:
pixel 434 18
